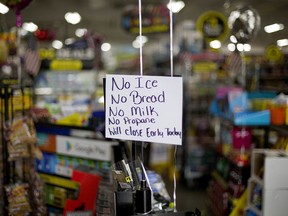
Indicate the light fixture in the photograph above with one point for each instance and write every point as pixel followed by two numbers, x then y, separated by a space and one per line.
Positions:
pixel 29 26
pixel 176 6
pixel 247 47
pixel 215 44
pixel 101 100
pixel 274 27
pixel 3 9
pixel 69 41
pixel 233 39
pixel 282 42
pixel 136 44
pixel 240 47
pixel 142 39
pixel 105 47
pixel 73 17
pixel 23 32
pixel 80 32
pixel 57 44
pixel 139 40
pixel 231 47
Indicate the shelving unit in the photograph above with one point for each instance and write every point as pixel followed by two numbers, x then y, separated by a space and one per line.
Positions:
pixel 66 150
pixel 201 78
pixel 268 175
pixel 268 185
pixel 68 95
pixel 237 136
pixel 18 147
pixel 70 130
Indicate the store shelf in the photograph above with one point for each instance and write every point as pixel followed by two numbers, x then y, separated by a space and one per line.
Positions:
pixel 271 77
pixel 254 210
pixel 278 88
pixel 268 187
pixel 282 129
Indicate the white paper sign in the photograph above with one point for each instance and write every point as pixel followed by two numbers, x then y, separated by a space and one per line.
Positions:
pixel 144 108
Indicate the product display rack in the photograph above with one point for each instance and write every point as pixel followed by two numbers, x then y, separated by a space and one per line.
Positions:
pixel 201 78
pixel 18 143
pixel 65 150
pixel 69 119
pixel 5 166
pixel 235 137
pixel 255 195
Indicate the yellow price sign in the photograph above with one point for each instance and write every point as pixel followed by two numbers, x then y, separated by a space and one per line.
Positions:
pixel 47 54
pixel 128 179
pixel 66 65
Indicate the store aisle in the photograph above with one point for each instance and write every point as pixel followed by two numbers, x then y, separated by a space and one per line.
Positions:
pixel 188 199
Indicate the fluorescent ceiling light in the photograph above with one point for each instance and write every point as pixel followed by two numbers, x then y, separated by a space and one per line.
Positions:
pixel 282 42
pixel 136 44
pixel 139 41
pixel 80 32
pixel 73 17
pixel 69 41
pixel 3 9
pixel 29 26
pixel 215 44
pixel 56 44
pixel 231 47
pixel 142 39
pixel 105 47
pixel 240 47
pixel 176 6
pixel 247 47
pixel 101 100
pixel 23 32
pixel 233 39
pixel 274 27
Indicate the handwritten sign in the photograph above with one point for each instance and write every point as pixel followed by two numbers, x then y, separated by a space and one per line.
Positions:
pixel 144 108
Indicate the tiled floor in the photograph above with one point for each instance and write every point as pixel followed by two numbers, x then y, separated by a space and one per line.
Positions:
pixel 188 199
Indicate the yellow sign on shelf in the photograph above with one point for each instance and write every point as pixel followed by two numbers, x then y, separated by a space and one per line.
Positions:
pixel 61 182
pixel 61 64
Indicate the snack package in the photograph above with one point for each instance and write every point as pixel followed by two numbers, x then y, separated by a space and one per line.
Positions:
pixel 17 196
pixel 21 137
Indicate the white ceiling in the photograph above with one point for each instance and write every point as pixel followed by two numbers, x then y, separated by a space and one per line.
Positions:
pixel 104 16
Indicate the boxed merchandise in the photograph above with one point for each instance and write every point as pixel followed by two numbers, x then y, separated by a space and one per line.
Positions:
pixel 241 137
pixel 234 104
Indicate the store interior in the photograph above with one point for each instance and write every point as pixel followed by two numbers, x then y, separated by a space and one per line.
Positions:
pixel 205 132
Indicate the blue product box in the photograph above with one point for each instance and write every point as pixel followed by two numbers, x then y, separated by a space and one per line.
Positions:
pixel 252 118
pixel 237 102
